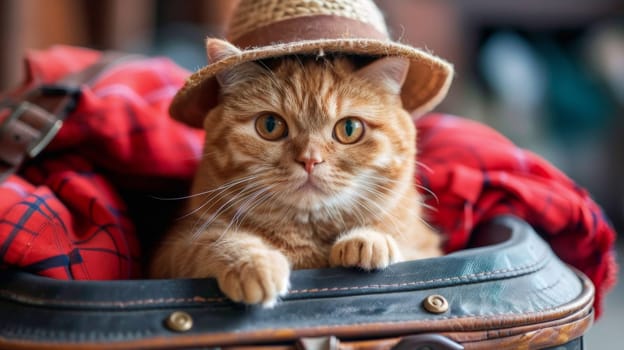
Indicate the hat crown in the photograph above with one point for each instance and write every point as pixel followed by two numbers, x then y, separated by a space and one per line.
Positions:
pixel 262 29
pixel 251 15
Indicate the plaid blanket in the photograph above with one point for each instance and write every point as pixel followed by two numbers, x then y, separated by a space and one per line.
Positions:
pixel 66 214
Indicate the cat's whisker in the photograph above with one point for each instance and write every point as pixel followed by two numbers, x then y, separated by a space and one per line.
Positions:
pixel 337 209
pixel 248 206
pixel 377 191
pixel 332 213
pixel 381 211
pixel 427 206
pixel 424 222
pixel 235 198
pixel 268 198
pixel 361 219
pixel 234 201
pixel 394 192
pixel 224 186
pixel 213 199
pixel 430 192
pixel 362 202
pixel 424 166
pixel 380 197
pixel 421 187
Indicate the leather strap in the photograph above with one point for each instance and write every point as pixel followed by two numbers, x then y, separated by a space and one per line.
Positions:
pixel 321 27
pixel 29 122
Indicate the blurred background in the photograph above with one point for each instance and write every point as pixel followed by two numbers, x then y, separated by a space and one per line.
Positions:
pixel 547 74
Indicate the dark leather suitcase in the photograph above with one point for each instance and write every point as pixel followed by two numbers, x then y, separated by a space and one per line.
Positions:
pixel 509 292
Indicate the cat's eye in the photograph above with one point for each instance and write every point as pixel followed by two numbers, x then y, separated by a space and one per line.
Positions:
pixel 271 126
pixel 349 130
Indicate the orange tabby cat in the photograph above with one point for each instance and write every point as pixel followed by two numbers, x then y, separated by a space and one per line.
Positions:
pixel 309 162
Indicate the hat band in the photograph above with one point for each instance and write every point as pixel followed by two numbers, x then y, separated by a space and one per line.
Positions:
pixel 321 27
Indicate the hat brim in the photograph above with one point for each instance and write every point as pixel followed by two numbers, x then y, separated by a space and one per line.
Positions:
pixel 426 84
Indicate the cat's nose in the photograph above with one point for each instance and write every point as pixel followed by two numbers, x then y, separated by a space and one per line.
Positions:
pixel 308 163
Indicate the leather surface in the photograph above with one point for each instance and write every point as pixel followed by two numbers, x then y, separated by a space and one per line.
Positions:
pixel 513 283
pixel 38 113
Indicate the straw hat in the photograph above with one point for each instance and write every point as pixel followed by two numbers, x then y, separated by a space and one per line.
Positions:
pixel 272 28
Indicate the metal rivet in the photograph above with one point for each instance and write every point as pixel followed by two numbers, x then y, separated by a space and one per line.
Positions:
pixel 436 304
pixel 179 321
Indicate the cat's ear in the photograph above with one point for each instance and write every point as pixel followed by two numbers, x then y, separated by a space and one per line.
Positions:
pixel 218 50
pixel 389 72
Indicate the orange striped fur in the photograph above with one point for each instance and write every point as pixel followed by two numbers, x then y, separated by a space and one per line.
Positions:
pixel 255 213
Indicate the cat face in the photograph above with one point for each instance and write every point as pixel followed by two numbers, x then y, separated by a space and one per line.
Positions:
pixel 311 134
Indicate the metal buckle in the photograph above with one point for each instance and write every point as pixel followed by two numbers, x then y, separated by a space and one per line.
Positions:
pixel 46 135
pixel 18 110
pixel 47 124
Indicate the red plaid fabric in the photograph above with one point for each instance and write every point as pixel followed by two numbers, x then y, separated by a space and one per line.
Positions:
pixel 64 215
pixel 477 174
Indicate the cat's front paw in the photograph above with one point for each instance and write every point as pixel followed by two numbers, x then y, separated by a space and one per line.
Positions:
pixel 260 278
pixel 365 248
